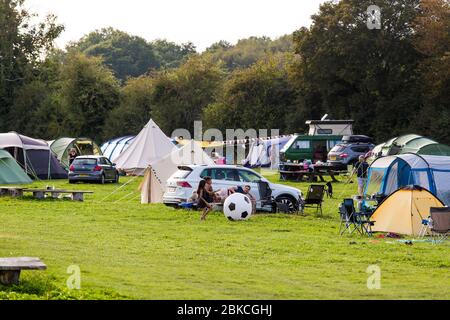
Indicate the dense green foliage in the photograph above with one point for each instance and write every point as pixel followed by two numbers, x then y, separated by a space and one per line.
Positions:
pixel 134 110
pixel 131 56
pixel 128 56
pixel 126 250
pixel 181 94
pixel 350 71
pixel 392 80
pixel 21 47
pixel 248 51
pixel 260 96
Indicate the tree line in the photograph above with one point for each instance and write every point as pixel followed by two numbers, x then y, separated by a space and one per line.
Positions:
pixel 392 80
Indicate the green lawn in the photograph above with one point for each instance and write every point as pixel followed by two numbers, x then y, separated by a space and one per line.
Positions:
pixel 126 250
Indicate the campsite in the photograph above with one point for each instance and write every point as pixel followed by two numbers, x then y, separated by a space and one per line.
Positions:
pixel 129 251
pixel 128 245
pixel 311 164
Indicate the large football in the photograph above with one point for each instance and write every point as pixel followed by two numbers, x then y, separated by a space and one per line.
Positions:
pixel 237 207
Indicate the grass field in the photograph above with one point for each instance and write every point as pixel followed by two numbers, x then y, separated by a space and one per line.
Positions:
pixel 126 250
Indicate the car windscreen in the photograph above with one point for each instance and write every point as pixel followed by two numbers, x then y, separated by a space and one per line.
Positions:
pixel 338 148
pixel 181 174
pixel 84 162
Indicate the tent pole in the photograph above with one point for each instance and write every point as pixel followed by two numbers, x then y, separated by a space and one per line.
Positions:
pixel 412 199
pixel 48 169
pixel 25 160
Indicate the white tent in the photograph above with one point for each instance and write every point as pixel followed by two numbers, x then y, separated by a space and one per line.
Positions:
pixel 157 174
pixel 149 146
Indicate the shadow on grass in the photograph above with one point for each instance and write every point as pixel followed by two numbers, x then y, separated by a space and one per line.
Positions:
pixel 44 287
pixel 48 199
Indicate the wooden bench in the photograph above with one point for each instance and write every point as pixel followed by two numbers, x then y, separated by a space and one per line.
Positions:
pixel 10 268
pixel 76 195
pixel 11 191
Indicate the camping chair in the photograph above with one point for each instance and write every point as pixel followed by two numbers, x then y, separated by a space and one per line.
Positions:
pixel 265 196
pixel 314 197
pixel 347 213
pixel 354 221
pixel 426 225
pixel 440 224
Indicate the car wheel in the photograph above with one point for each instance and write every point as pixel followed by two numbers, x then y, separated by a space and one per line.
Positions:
pixel 116 180
pixel 103 179
pixel 289 202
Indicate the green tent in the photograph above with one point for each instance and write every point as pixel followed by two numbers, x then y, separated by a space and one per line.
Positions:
pixel 10 171
pixel 83 146
pixel 413 143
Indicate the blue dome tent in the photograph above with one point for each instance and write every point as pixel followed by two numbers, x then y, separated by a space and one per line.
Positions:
pixel 113 148
pixel 388 174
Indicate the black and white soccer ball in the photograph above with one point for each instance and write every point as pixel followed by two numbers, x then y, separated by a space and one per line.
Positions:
pixel 237 207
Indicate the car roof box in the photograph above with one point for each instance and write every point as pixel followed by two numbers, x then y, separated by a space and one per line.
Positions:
pixel 357 139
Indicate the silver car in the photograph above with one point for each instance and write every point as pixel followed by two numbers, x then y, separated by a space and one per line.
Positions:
pixel 345 154
pixel 185 181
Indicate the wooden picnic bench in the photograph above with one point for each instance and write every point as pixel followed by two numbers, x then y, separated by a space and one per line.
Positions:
pixel 291 172
pixel 11 191
pixel 10 268
pixel 310 176
pixel 76 195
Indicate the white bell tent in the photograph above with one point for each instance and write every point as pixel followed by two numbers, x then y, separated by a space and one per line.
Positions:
pixel 157 174
pixel 149 146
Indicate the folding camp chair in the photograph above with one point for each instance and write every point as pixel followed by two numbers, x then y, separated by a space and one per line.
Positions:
pixel 426 226
pixel 347 214
pixel 265 196
pixel 354 221
pixel 440 224
pixel 314 197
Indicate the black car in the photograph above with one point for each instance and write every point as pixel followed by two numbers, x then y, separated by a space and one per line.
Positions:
pixel 93 168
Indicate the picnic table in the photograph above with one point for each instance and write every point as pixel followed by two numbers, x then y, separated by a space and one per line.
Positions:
pixel 10 268
pixel 295 171
pixel 76 195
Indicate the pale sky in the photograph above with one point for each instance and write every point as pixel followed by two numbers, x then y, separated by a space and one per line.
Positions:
pixel 202 22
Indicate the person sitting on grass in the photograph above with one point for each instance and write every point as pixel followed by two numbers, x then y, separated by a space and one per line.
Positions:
pixel 205 197
pixel 246 191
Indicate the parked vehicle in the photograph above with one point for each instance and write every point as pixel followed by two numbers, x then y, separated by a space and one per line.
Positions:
pixel 348 152
pixel 304 147
pixel 357 139
pixel 322 136
pixel 93 168
pixel 184 182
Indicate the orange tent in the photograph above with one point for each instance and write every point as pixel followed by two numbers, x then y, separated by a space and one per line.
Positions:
pixel 403 211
